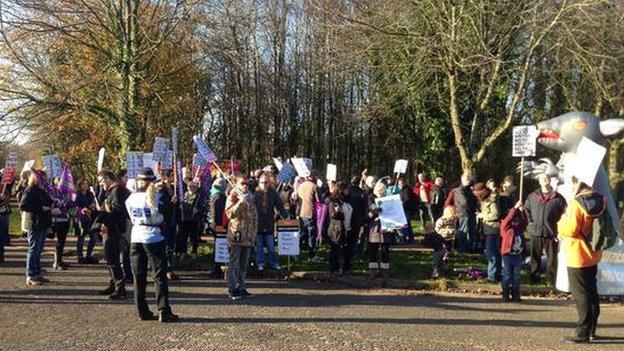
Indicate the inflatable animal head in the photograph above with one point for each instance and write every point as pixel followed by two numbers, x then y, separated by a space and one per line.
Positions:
pixel 565 132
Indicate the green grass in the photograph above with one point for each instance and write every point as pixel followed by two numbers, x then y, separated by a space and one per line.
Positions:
pixel 15 225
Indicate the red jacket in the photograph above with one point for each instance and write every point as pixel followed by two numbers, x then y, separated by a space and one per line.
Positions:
pixel 427 185
pixel 507 229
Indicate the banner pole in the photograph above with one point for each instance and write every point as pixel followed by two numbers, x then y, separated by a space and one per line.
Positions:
pixel 521 179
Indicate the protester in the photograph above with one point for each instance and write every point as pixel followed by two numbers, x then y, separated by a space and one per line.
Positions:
pixel 446 227
pixel 357 199
pixel 241 233
pixel 122 177
pixel 466 205
pixel 270 207
pixel 438 196
pixel 36 206
pixel 5 219
pixel 21 186
pixel 148 246
pixel 490 221
pixel 192 221
pixel 508 194
pixel 85 204
pixel 574 230
pixel 512 248
pixel 379 239
pixel 169 199
pixel 285 192
pixel 216 215
pixel 113 216
pixel 307 195
pixel 406 235
pixel 340 219
pixel 60 222
pixel 422 190
pixel 544 208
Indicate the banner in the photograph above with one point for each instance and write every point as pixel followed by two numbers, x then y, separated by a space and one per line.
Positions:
pixel 66 183
pixel 100 161
pixel 222 255
pixel 28 165
pixel 524 141
pixel 332 171
pixel 134 163
pixel 52 165
pixel 392 215
pixel 11 161
pixel 204 150
pixel 288 242
pixel 400 166
pixel 160 149
pixel 8 175
pixel 278 163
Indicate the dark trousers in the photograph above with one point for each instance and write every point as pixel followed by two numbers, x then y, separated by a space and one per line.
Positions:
pixel 125 257
pixel 540 244
pixel 112 250
pixel 583 287
pixel 308 231
pixel 426 213
pixel 189 230
pixel 170 234
pixel 338 252
pixel 60 230
pixel 82 228
pixel 155 254
pixel 4 233
pixel 373 252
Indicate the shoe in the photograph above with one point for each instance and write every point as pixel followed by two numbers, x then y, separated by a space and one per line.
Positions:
pixel 129 280
pixel 58 266
pixel 577 339
pixel 33 281
pixel 117 295
pixel 234 296
pixel 43 279
pixel 149 317
pixel 107 291
pixel 81 260
pixel 168 318
pixel 172 276
pixel 91 260
pixel 246 294
pixel 515 296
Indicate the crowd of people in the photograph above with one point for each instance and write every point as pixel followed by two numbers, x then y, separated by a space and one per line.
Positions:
pixel 148 223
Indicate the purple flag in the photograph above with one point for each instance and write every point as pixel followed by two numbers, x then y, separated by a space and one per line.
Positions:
pixel 66 183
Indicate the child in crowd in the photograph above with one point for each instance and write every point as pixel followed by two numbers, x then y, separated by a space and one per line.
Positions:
pixel 436 242
pixel 446 226
pixel 512 247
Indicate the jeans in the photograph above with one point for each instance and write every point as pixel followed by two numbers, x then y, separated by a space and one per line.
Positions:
pixel 36 239
pixel 492 253
pixel 4 233
pixel 308 232
pixel 266 240
pixel 511 272
pixel 237 268
pixel 112 251
pixel 426 214
pixel 584 289
pixel 140 255
pixel 540 244
pixel 82 228
pixel 466 228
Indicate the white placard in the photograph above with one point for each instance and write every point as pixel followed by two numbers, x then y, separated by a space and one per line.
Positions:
pixel 288 243
pixel 587 161
pixel 168 161
pixel 148 162
pixel 400 166
pixel 332 171
pixel 100 161
pixel 11 160
pixel 392 215
pixel 159 151
pixel 134 163
pixel 204 150
pixel 222 255
pixel 524 141
pixel 28 165
pixel 286 174
pixel 300 166
pixel 278 163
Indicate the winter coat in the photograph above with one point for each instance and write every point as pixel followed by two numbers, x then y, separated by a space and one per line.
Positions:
pixel 544 211
pixel 357 200
pixel 490 215
pixel 575 226
pixel 217 207
pixel 375 233
pixel 307 195
pixel 465 201
pixel 34 199
pixel 426 186
pixel 269 206
pixel 509 230
pixel 243 221
pixel 115 215
pixel 193 207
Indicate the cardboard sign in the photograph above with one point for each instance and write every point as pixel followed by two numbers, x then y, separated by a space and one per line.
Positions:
pixel 198 160
pixel 100 161
pixel 300 165
pixel 53 165
pixel 8 174
pixel 222 255
pixel 524 141
pixel 392 215
pixel 204 150
pixel 167 163
pixel 11 161
pixel 134 163
pixel 288 242
pixel 28 165
pixel 587 161
pixel 332 171
pixel 278 163
pixel 160 149
pixel 400 166
pixel 286 174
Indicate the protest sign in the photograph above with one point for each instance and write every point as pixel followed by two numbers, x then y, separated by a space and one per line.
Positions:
pixel 288 242
pixel 160 149
pixel 167 163
pixel 308 162
pixel 134 163
pixel 53 166
pixel 148 162
pixel 278 163
pixel 587 161
pixel 100 161
pixel 8 174
pixel 392 215
pixel 286 174
pixel 332 171
pixel 222 255
pixel 28 165
pixel 300 165
pixel 400 166
pixel 524 141
pixel 204 150
pixel 11 161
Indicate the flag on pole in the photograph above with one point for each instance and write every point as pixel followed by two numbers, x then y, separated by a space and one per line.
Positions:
pixel 66 183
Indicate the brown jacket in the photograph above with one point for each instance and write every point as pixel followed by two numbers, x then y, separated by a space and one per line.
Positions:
pixel 308 197
pixel 244 219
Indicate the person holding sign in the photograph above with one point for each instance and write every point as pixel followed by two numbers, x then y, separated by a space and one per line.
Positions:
pixel 379 240
pixel 148 245
pixel 242 229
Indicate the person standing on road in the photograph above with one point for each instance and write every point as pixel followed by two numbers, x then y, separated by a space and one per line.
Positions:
pixel 269 206
pixel 240 208
pixel 466 205
pixel 216 210
pixel 85 203
pixel 5 219
pixel 490 220
pixel 36 206
pixel 169 199
pixel 422 190
pixel 148 245
pixel 574 230
pixel 512 248
pixel 379 239
pixel 544 208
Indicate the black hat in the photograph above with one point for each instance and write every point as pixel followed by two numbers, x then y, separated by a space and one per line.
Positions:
pixel 146 174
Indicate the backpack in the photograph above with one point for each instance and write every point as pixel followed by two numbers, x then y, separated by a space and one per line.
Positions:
pixel 603 235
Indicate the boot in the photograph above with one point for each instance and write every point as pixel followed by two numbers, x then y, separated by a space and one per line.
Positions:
pixel 385 270
pixel 506 297
pixel 515 296
pixel 58 262
pixel 373 270
pixel 109 290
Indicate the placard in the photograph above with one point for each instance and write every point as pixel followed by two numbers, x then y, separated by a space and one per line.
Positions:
pixel 134 163
pixel 332 171
pixel 53 166
pixel 222 255
pixel 392 215
pixel 286 174
pixel 8 174
pixel 278 163
pixel 204 150
pixel 159 151
pixel 11 161
pixel 167 163
pixel 300 165
pixel 524 141
pixel 400 166
pixel 288 243
pixel 28 165
pixel 587 161
pixel 100 161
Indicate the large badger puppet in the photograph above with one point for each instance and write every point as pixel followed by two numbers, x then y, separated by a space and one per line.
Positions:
pixel 564 133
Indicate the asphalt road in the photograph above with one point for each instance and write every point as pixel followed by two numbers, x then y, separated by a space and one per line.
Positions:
pixel 67 314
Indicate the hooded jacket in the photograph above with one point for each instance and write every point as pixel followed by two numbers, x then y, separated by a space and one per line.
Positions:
pixel 576 224
pixel 544 211
pixel 243 217
pixel 509 229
